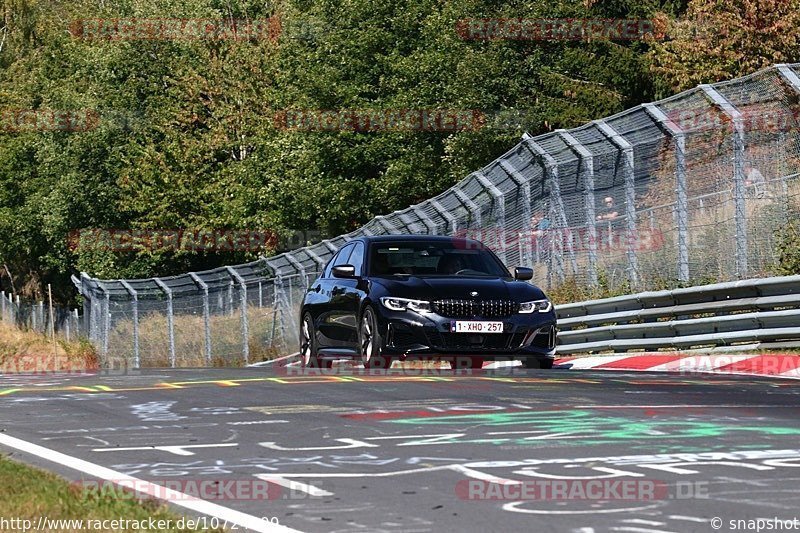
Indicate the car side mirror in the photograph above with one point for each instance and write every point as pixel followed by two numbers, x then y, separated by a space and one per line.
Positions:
pixel 523 273
pixel 344 271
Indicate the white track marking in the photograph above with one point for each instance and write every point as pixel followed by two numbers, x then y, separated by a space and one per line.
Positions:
pixel 273 361
pixel 230 516
pixel 177 450
pixel 295 486
pixel 514 507
pixel 700 363
pixel 643 522
pixel 638 530
pixel 583 363
pixel 688 518
pixel 477 474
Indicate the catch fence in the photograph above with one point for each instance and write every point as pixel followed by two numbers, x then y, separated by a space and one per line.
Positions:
pixel 691 189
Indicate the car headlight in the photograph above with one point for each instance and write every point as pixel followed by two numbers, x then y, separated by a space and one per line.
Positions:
pixel 542 306
pixel 403 304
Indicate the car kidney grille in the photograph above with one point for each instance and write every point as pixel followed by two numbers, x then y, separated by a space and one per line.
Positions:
pixel 475 308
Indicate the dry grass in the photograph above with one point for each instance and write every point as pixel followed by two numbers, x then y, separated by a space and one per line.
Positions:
pixel 27 351
pixel 226 339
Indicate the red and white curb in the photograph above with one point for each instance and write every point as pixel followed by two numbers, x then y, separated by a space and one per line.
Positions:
pixel 774 365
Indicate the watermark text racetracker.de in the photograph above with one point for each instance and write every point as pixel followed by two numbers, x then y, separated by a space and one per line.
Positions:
pixel 44 523
pixel 578 239
pixel 580 490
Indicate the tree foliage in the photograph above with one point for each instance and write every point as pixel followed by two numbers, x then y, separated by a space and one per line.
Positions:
pixel 186 135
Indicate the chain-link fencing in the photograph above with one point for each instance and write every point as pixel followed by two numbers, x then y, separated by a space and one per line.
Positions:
pixel 690 189
pixel 38 317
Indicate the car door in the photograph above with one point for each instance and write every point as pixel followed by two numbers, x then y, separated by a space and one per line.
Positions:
pixel 351 292
pixel 332 313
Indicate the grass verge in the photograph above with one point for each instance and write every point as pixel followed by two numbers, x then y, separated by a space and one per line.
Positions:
pixel 28 351
pixel 28 493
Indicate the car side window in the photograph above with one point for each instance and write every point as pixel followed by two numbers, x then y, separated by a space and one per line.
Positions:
pixel 357 257
pixel 341 258
pixel 327 272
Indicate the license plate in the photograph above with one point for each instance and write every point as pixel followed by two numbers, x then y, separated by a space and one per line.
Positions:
pixel 475 326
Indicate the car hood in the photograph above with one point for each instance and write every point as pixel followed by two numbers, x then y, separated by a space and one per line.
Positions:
pixel 440 288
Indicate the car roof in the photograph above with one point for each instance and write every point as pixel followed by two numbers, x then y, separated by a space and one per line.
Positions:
pixel 423 238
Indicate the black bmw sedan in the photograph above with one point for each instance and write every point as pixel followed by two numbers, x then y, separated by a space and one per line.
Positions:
pixel 399 297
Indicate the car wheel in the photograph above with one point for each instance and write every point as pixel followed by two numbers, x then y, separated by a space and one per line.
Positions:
pixel 308 343
pixel 370 342
pixel 532 362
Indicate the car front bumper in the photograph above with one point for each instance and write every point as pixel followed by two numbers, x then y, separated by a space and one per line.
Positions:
pixel 408 334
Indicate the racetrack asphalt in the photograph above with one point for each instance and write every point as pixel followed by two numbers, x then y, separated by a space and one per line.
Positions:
pixel 505 450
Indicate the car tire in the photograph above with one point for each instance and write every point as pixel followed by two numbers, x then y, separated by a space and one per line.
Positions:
pixel 370 341
pixel 309 358
pixel 533 362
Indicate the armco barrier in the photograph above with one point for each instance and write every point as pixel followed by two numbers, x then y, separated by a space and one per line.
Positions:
pixel 722 314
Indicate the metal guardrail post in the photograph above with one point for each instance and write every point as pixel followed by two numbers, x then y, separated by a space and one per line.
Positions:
pixel 170 321
pixel 299 267
pixel 408 222
pixel 433 229
pixel 87 304
pixel 587 172
pixel 385 224
pixel 740 214
pixel 498 199
pixel 104 309
pixel 330 246
pixel 313 255
pixel 243 309
pixel 524 186
pixel 447 215
pixel 206 315
pixel 473 208
pixel 682 204
pixel 135 310
pixel 629 172
pixel 557 211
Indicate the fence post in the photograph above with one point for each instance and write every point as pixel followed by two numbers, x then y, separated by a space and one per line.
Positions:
pixel 206 316
pixel 432 227
pixel 243 309
pixel 87 304
pixel 3 304
pixel 587 171
pixel 740 214
pixel 230 298
pixel 524 186
pixel 106 324
pixel 473 208
pixel 135 309
pixel 276 311
pixel 629 172
pixel 682 204
pixel 498 200
pixel 170 323
pixel 556 211
pixel 445 214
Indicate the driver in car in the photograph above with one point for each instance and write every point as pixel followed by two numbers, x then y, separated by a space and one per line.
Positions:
pixel 450 264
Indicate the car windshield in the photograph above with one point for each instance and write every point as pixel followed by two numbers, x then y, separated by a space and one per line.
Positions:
pixel 433 259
